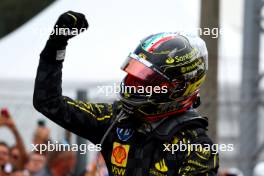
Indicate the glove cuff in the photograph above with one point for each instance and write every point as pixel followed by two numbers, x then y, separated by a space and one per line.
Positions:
pixel 58 43
pixel 54 51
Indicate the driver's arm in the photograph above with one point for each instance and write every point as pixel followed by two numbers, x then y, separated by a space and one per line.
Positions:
pixel 84 119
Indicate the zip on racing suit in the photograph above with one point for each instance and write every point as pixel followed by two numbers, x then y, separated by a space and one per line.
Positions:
pixel 128 148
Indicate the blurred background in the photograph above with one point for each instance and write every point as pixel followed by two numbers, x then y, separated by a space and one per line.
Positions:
pixel 232 97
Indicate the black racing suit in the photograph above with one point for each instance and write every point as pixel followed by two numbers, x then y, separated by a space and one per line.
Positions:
pixel 128 149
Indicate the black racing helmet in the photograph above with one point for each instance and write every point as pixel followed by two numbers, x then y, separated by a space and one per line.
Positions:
pixel 164 75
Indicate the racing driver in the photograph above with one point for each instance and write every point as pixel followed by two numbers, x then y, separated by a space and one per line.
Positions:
pixel 139 134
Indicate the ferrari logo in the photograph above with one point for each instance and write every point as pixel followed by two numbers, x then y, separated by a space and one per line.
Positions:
pixel 143 56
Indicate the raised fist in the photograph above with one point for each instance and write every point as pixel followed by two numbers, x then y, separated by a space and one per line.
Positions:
pixel 69 25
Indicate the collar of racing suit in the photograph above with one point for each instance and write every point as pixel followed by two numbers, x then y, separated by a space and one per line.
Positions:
pixel 166 128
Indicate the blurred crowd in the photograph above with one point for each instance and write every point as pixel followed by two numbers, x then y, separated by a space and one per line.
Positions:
pixel 17 161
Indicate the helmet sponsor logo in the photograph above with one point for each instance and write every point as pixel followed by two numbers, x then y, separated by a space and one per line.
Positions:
pixel 170 60
pixel 119 154
pixel 142 60
pixel 191 67
pixel 143 56
pixel 194 86
pixel 185 57
pixel 124 134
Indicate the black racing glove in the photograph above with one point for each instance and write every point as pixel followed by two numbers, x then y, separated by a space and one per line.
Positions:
pixel 68 25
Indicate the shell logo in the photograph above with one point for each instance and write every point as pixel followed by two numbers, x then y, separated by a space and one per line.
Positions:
pixel 119 154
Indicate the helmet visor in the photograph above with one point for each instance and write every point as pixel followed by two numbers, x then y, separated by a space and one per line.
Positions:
pixel 144 70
